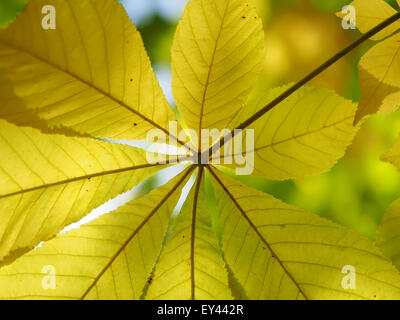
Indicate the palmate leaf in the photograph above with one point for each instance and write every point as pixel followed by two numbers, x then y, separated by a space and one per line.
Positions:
pixel 50 181
pixel 276 251
pixel 91 73
pixel 379 67
pixel 249 242
pixel 393 156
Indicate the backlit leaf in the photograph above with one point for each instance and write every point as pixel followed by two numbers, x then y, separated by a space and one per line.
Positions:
pixel 14 110
pixel 50 181
pixel 191 265
pixel 388 236
pixel 216 56
pixel 109 258
pixel 304 135
pixel 377 97
pixel 277 251
pixel 379 80
pixel 91 73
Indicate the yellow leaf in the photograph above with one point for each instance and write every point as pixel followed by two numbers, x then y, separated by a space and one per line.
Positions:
pixel 379 67
pixel 21 115
pixel 108 258
pixel 393 155
pixel 191 266
pixel 370 13
pixel 91 73
pixel 383 61
pixel 91 76
pixel 216 56
pixel 376 96
pixel 277 251
pixel 50 181
pixel 304 135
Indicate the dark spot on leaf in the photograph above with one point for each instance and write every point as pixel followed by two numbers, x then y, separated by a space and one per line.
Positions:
pixel 243 17
pixel 150 280
pixel 135 124
pixel 183 237
pixel 130 79
pixel 263 248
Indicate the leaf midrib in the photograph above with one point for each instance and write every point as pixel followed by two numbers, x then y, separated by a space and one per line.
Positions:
pixel 206 85
pixel 66 181
pixel 135 232
pixel 90 85
pixel 257 232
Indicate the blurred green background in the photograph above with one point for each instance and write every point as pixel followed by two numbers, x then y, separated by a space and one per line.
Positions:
pixel 299 35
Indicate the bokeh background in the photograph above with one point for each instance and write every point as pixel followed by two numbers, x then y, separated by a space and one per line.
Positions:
pixel 299 35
